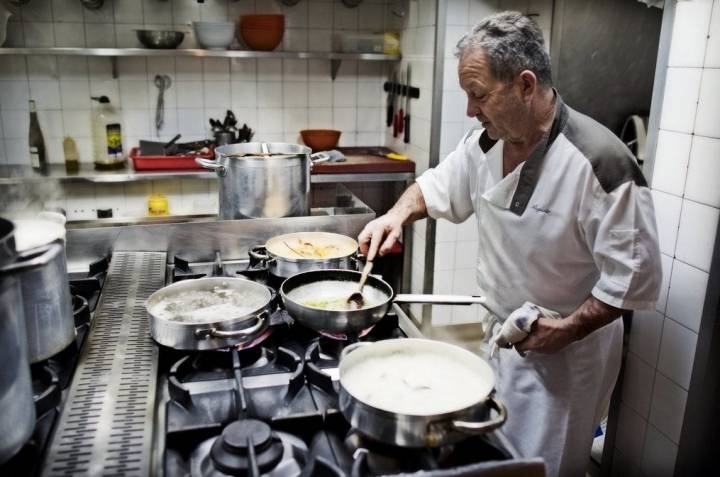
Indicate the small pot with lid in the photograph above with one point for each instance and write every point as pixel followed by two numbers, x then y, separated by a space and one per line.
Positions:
pixel 260 180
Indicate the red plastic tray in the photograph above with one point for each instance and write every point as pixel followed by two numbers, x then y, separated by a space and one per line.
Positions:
pixel 166 163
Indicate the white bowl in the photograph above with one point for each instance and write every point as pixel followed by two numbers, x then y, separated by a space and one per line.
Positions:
pixel 214 35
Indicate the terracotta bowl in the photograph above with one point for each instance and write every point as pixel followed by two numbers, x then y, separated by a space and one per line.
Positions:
pixel 320 139
pixel 261 32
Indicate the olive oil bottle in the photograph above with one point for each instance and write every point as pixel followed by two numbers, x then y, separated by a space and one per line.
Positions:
pixel 38 155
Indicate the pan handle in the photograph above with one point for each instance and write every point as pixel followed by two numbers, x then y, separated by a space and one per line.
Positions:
pixel 485 426
pixel 439 299
pixel 206 333
pixel 212 165
pixel 353 347
pixel 259 252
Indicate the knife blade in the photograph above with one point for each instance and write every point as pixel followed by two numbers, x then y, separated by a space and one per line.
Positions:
pixel 406 138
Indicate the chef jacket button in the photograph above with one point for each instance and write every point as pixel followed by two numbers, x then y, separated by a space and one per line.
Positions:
pixel 517 204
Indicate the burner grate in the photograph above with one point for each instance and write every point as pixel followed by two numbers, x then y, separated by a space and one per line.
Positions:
pixel 104 427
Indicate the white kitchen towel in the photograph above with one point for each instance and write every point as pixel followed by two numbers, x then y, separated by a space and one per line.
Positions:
pixel 518 325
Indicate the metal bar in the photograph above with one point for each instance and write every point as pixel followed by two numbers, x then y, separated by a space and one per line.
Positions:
pixel 103 428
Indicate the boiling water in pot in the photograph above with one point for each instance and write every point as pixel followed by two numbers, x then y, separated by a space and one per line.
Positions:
pixel 204 306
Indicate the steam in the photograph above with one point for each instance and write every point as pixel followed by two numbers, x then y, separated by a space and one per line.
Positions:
pixel 27 198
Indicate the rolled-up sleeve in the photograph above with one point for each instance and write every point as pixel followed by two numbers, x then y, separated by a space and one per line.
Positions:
pixel 446 188
pixel 622 234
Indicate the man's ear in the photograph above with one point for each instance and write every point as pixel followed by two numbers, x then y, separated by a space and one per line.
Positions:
pixel 528 84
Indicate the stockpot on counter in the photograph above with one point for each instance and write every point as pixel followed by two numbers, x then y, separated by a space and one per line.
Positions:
pixel 263 180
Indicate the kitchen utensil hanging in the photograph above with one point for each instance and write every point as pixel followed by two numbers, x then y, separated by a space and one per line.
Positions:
pixel 163 83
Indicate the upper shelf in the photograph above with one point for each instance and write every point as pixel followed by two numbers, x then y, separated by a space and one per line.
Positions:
pixel 334 57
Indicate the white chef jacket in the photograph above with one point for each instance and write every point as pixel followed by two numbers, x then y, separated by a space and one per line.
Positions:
pixel 576 218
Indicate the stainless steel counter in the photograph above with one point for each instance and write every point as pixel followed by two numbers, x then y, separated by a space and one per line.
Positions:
pixel 88 173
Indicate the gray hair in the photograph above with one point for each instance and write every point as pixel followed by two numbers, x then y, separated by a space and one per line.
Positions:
pixel 513 43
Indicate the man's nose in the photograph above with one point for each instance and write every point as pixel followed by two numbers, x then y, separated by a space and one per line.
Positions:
pixel 473 109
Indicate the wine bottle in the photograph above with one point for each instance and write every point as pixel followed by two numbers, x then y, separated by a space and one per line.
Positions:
pixel 38 157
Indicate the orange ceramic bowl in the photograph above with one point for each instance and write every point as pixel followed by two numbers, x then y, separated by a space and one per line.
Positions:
pixel 320 139
pixel 262 32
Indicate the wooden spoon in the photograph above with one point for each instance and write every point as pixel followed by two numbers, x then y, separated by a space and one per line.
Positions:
pixel 356 300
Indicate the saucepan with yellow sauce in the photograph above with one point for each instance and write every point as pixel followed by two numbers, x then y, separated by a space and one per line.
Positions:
pixel 318 299
pixel 288 254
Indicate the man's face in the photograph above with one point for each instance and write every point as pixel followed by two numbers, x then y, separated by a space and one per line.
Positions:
pixel 496 104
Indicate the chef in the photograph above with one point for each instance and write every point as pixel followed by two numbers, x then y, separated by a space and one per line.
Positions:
pixel 566 224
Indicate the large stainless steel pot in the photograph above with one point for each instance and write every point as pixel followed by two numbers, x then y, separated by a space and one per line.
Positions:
pixel 17 419
pixel 47 301
pixel 336 284
pixel 220 331
pixel 285 256
pixel 47 304
pixel 429 429
pixel 259 180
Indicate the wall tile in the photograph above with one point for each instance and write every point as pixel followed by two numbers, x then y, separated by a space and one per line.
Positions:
pixel 645 337
pixel 66 10
pixel 667 215
pixel 320 14
pixel 270 120
pixel 189 94
pixel 295 95
pixel 630 433
pixel 46 94
pixel 637 384
pixel 454 106
pixel 51 124
pixel 213 10
pixel 667 411
pixel 345 95
pixel 689 36
pixel 344 119
pixel 457 12
pixel 188 69
pixel 39 34
pixel 69 35
pixel 100 35
pixel 157 12
pixel 369 119
pixel 677 352
pixel 445 231
pixel 100 15
pixel 703 171
pixel 345 18
pixel 270 95
pixel 707 122
pixel 134 93
pixel 666 263
pixel 622 466
pixel 128 11
pixel 682 88
pixel 659 454
pixel 696 237
pixel 687 294
pixel 16 151
pixel 15 124
pixel 712 55
pixel 444 255
pixel 321 118
pixel 217 94
pixel 74 94
pixel 190 121
pixel 671 161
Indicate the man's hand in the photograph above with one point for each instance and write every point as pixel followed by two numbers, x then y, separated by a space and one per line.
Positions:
pixel 379 235
pixel 547 336
pixel 551 335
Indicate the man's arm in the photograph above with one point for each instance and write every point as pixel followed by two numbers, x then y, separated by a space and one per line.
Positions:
pixel 551 335
pixel 381 234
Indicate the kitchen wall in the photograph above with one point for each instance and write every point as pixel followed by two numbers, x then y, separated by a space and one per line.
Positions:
pixel 686 190
pixel 454 267
pixel 277 98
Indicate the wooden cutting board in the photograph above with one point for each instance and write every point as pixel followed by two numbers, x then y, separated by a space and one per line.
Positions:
pixel 364 160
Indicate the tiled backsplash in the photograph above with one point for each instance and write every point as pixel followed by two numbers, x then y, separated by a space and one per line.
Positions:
pixel 686 193
pixel 277 98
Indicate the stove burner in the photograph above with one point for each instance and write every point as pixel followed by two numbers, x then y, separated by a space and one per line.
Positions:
pixel 249 447
pixel 46 389
pixel 345 337
pixel 81 311
pixel 255 341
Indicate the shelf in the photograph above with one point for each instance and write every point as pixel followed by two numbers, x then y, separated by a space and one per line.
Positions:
pixel 56 172
pixel 334 57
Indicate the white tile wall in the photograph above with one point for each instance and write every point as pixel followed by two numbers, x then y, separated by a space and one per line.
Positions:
pixel 637 384
pixel 630 435
pixel 686 196
pixel 277 98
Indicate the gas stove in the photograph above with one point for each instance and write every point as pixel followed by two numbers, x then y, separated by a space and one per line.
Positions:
pixel 268 407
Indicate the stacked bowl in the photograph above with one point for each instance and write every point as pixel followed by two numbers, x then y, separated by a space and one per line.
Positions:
pixel 261 32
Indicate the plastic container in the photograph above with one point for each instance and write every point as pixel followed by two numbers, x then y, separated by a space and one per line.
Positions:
pixel 166 163
pixel 107 135
pixel 214 35
pixel 387 43
pixel 158 205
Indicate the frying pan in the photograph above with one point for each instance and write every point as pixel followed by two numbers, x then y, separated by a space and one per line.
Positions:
pixel 332 285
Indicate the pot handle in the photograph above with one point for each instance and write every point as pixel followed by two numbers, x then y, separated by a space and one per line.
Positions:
pixel 259 252
pixel 33 258
pixel 317 158
pixel 353 347
pixel 439 299
pixel 212 165
pixel 206 333
pixel 485 426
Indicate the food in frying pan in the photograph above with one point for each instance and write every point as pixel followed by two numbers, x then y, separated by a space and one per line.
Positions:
pixel 308 249
pixel 332 295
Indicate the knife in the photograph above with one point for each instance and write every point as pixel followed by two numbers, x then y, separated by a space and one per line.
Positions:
pixel 401 113
pixel 406 139
pixel 391 101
